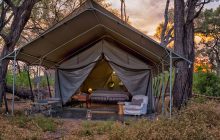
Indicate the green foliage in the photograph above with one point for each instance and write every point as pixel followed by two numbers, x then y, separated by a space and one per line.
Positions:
pixel 208 22
pixel 95 128
pixel 208 29
pixel 207 84
pixel 21 79
pixel 46 124
pixel 23 82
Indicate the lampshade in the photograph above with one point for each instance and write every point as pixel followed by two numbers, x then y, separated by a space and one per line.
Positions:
pixel 90 90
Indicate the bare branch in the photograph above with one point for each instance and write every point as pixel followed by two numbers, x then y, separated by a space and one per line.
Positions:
pixel 202 4
pixel 166 18
pixel 169 34
pixel 5 9
pixel 170 40
pixel 4 36
pixel 10 4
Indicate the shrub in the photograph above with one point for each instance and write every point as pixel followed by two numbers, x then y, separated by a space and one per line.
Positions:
pixel 95 128
pixel 39 121
pixel 197 121
pixel 22 80
pixel 207 84
pixel 46 124
pixel 20 120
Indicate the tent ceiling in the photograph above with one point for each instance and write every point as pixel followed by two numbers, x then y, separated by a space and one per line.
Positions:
pixel 87 25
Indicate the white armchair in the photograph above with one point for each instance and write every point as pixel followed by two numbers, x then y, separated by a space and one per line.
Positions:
pixel 137 106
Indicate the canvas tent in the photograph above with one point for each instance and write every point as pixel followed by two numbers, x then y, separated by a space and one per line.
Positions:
pixel 134 73
pixel 90 33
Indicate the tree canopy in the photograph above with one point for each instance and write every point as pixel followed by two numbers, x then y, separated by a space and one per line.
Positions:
pixel 208 28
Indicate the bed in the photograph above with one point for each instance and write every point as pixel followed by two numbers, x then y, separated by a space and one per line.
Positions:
pixel 109 96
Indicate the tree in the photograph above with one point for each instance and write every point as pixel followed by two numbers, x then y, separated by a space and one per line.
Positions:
pixel 124 16
pixel 184 16
pixel 14 16
pixel 167 26
pixel 208 28
pixel 165 32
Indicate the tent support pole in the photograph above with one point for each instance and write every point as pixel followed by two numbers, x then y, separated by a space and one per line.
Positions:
pixel 163 88
pixel 30 85
pixel 48 83
pixel 171 69
pixel 13 87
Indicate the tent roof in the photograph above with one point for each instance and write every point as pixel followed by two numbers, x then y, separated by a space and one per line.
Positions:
pixel 87 25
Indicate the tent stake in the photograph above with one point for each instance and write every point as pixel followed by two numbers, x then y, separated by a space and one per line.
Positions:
pixel 171 69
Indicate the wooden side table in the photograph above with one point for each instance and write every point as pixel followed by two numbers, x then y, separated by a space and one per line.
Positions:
pixel 83 99
pixel 121 108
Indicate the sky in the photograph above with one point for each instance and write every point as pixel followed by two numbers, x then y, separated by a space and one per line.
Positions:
pixel 145 15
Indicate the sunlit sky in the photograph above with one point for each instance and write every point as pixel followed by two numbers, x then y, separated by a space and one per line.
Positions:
pixel 147 14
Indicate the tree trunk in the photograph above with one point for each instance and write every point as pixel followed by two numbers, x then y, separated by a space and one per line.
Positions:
pixel 184 45
pixel 21 14
pixel 3 73
pixel 218 68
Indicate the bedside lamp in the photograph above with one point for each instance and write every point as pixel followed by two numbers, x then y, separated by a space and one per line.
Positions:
pixel 90 90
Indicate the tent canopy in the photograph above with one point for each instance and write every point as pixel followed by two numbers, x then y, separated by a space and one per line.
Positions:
pixel 87 25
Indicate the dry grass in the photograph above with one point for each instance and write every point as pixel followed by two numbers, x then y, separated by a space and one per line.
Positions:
pixel 21 127
pixel 199 120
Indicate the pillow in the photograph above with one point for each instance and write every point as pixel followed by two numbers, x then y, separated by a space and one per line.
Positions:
pixel 136 102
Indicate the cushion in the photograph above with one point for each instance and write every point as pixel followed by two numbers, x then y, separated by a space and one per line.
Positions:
pixel 136 102
pixel 133 107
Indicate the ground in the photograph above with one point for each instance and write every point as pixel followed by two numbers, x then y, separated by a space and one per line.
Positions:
pixel 199 120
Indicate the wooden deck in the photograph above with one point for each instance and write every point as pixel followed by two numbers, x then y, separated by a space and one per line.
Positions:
pixel 99 112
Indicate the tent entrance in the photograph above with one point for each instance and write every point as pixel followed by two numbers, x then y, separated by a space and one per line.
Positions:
pixel 102 77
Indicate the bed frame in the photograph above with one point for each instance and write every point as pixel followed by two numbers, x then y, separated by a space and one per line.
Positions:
pixel 109 96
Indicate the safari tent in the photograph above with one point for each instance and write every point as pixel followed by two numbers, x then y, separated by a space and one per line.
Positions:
pixel 89 36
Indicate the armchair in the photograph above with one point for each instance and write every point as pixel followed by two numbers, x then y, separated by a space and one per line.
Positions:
pixel 137 106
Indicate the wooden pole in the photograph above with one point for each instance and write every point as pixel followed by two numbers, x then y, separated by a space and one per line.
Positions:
pixel 171 70
pixel 163 89
pixel 48 83
pixel 30 85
